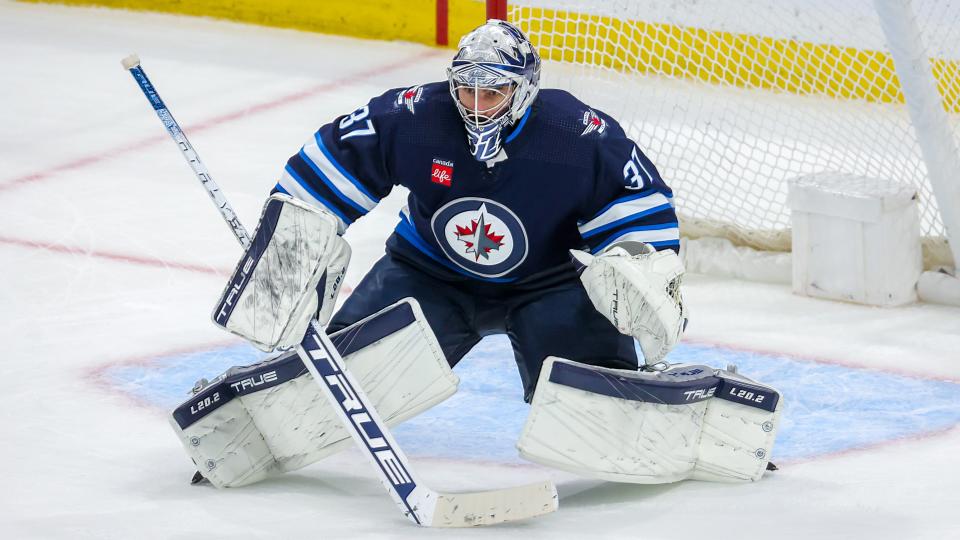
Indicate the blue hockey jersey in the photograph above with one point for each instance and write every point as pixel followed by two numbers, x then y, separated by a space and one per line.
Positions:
pixel 571 179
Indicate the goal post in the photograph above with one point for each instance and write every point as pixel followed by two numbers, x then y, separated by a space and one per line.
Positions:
pixel 733 99
pixel 926 108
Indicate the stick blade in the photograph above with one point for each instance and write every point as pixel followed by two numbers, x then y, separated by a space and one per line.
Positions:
pixel 496 506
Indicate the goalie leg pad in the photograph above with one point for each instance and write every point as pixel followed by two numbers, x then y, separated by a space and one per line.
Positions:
pixel 640 427
pixel 739 430
pixel 223 441
pixel 295 261
pixel 259 420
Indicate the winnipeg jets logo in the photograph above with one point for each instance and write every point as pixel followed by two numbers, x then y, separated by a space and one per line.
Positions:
pixel 477 74
pixel 593 122
pixel 481 236
pixel 410 97
pixel 478 237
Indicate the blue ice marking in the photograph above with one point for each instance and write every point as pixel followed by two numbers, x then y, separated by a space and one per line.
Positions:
pixel 827 408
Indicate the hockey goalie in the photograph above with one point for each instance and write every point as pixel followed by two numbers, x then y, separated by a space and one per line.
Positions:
pixel 506 181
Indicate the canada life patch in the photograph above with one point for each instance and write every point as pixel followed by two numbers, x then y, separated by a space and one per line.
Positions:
pixel 442 172
pixel 481 236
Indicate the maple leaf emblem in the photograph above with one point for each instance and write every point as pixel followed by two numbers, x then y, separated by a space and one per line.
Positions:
pixel 593 122
pixel 477 236
pixel 410 96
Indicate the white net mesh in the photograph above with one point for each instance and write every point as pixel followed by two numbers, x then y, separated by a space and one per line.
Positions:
pixel 732 98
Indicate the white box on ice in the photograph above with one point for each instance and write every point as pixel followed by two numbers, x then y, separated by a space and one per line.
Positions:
pixel 855 239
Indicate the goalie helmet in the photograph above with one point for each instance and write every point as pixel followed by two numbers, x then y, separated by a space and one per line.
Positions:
pixel 496 72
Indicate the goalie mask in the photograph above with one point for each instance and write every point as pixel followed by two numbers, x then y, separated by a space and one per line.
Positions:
pixel 494 78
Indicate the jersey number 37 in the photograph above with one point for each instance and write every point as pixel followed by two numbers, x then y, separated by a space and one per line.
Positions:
pixel 635 174
pixel 351 123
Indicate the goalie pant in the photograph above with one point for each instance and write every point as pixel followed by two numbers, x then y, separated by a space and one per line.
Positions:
pixel 554 317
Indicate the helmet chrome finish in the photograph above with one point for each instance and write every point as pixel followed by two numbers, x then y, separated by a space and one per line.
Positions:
pixel 497 69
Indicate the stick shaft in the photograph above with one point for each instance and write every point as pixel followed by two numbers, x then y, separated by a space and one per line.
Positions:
pixel 317 352
pixel 417 501
pixel 173 128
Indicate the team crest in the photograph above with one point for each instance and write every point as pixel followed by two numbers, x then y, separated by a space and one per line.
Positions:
pixel 481 236
pixel 593 122
pixel 410 97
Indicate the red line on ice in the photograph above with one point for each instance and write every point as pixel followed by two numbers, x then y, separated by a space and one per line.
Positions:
pixel 822 360
pixel 98 377
pixel 216 121
pixel 879 445
pixel 131 259
pixel 121 257
pixel 923 435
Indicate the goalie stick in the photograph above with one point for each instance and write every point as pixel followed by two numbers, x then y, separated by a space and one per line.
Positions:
pixel 418 502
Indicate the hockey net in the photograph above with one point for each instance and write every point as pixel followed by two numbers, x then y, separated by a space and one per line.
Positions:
pixel 733 98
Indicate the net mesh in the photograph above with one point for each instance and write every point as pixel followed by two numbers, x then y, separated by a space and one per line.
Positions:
pixel 733 98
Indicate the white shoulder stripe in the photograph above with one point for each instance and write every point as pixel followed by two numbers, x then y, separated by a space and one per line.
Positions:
pixel 340 183
pixel 291 186
pixel 649 237
pixel 624 210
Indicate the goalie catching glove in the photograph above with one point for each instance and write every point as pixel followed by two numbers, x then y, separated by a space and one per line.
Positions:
pixel 638 290
pixel 291 273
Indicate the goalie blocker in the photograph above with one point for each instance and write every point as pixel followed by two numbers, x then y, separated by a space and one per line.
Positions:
pixel 291 272
pixel 685 422
pixel 256 421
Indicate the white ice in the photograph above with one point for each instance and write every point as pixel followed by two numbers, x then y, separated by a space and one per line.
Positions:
pixel 111 254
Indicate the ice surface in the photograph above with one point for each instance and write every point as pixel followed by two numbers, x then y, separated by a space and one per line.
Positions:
pixel 112 259
pixel 827 406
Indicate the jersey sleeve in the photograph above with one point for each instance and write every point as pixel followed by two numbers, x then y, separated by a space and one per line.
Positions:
pixel 632 202
pixel 343 166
